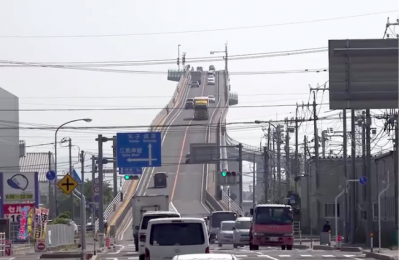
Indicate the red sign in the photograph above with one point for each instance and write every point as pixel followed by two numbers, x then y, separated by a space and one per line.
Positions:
pixel 41 246
pixel 13 211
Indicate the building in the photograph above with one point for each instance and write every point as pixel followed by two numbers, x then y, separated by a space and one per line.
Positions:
pixel 9 132
pixel 41 163
pixel 318 196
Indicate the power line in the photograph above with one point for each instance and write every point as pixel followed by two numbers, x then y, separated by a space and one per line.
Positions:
pixel 135 108
pixel 198 31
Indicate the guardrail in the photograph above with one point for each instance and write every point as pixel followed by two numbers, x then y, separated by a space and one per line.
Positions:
pixel 117 199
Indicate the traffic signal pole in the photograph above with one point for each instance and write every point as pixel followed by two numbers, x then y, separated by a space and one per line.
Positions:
pixel 240 175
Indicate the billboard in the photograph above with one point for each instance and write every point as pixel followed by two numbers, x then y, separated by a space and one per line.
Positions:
pixel 18 190
pixel 364 74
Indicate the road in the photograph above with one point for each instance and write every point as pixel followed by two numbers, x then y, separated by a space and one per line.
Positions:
pixel 184 182
pixel 126 252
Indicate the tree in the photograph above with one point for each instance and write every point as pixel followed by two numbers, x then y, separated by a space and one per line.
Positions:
pixel 63 200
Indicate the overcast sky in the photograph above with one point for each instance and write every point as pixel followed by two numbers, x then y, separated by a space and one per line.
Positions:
pixel 146 30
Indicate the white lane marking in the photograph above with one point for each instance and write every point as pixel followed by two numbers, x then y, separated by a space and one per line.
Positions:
pixel 241 255
pixel 133 258
pixel 328 256
pixel 306 255
pixel 126 228
pixel 165 135
pixel 267 256
pixel 349 255
pixel 116 252
pixel 108 258
pixel 284 255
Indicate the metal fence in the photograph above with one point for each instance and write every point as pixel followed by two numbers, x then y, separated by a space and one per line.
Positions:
pixel 60 235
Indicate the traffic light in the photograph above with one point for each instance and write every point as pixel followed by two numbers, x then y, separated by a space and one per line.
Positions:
pixel 183 60
pixel 225 174
pixel 131 177
pixel 177 61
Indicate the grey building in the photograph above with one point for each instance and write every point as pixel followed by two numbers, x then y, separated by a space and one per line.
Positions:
pixel 318 199
pixel 41 163
pixel 9 132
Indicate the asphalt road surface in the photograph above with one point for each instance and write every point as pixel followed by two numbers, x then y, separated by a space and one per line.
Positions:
pixel 126 251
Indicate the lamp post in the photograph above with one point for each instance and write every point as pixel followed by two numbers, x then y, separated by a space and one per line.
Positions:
pixel 88 120
pixel 179 57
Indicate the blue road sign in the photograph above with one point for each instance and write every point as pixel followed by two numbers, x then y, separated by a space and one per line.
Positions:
pixel 141 149
pixel 76 176
pixel 130 171
pixel 50 175
pixel 363 180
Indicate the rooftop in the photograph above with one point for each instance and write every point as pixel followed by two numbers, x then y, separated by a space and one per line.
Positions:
pixel 36 162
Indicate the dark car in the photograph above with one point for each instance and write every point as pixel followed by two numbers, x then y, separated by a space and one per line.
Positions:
pixel 199 69
pixel 187 158
pixel 211 68
pixel 195 84
pixel 189 105
pixel 160 180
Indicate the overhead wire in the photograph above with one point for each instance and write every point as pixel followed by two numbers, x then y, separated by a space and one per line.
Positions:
pixel 200 31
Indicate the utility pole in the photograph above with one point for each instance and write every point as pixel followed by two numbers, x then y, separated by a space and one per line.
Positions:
pixel 396 173
pixel 316 148
pixel 353 193
pixel 278 140
pixel 100 140
pixel 94 205
pixel 323 134
pixel 115 175
pixel 266 166
pixel 296 151
pixel 254 181
pixel 368 173
pixel 308 184
pixel 287 151
pixel 218 164
pixel 273 167
pixel 346 196
pixel 83 204
pixel 240 175
pixel 71 196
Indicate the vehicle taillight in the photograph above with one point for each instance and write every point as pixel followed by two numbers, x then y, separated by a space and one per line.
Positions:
pixel 207 250
pixel 142 238
pixel 147 254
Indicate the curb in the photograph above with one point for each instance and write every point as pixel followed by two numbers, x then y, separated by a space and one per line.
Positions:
pixel 301 247
pixel 378 256
pixel 323 247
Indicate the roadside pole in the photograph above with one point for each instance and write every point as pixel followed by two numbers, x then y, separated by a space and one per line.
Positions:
pixel 379 210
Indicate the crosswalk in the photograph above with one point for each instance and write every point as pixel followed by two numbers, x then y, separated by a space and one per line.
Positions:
pixel 266 256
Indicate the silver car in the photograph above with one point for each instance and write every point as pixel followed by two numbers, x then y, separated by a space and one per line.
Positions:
pixel 241 232
pixel 225 234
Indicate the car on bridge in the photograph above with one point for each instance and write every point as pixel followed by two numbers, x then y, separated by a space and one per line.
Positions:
pixel 187 158
pixel 210 81
pixel 199 69
pixel 211 68
pixel 189 104
pixel 160 180
pixel 195 84
pixel 211 99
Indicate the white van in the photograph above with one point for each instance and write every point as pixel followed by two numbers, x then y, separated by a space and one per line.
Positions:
pixel 147 216
pixel 168 237
pixel 241 232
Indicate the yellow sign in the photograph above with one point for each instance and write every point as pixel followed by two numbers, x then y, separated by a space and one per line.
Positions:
pixel 67 184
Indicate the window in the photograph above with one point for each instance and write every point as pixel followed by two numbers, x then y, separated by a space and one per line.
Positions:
pixel 273 215
pixel 227 226
pixel 147 218
pixel 170 234
pixel 330 210
pixel 243 225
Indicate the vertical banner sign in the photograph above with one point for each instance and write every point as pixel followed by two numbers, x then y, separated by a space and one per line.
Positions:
pixel 37 223
pixel 23 224
pixel 31 221
pixel 44 217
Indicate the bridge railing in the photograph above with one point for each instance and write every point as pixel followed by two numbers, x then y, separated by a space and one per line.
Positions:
pixel 117 199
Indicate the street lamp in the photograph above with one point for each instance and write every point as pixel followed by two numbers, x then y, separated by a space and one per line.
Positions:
pixel 88 120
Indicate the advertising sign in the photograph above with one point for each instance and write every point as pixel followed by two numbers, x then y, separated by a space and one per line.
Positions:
pixel 37 223
pixel 23 224
pixel 18 188
pixel 13 211
pixel 31 216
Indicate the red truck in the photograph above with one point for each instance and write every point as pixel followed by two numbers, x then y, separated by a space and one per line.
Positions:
pixel 272 225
